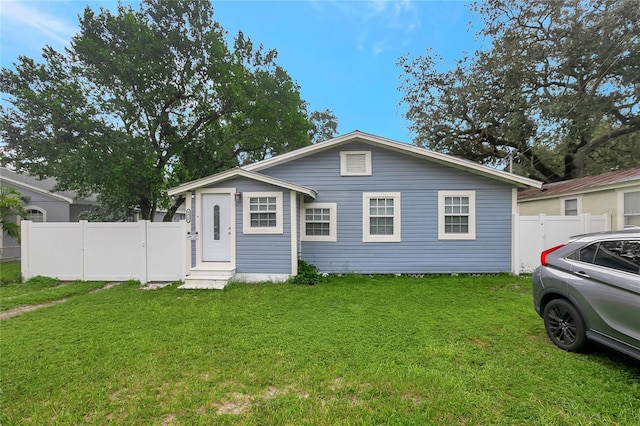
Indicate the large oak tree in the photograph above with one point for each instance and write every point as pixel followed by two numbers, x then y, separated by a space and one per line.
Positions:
pixel 557 90
pixel 145 99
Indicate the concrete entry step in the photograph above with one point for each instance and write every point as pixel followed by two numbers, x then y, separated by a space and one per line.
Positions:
pixel 200 284
pixel 206 280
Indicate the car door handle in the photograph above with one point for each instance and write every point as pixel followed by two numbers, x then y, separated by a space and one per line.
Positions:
pixel 582 274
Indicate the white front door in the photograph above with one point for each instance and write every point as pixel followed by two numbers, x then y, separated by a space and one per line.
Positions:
pixel 216 228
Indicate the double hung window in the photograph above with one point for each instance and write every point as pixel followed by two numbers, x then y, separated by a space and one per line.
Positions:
pixel 631 209
pixel 319 222
pixel 381 217
pixel 456 215
pixel 570 207
pixel 262 212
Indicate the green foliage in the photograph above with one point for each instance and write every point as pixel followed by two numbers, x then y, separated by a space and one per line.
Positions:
pixel 557 88
pixel 308 274
pixel 145 99
pixel 324 125
pixel 42 282
pixel 355 350
pixel 10 209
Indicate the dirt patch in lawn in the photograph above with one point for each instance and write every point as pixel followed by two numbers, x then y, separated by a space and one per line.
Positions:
pixel 22 309
pixel 237 403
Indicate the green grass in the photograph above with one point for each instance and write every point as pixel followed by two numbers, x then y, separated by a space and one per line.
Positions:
pixel 10 272
pixel 39 290
pixel 352 350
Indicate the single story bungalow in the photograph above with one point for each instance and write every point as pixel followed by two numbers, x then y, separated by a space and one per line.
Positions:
pixel 357 203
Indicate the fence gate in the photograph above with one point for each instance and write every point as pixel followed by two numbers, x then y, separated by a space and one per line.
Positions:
pixel 533 234
pixel 104 251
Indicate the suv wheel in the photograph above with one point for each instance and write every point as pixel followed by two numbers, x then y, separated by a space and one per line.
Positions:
pixel 564 325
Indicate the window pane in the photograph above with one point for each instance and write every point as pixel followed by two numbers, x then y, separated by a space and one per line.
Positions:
pixel 632 203
pixel 34 215
pixel 317 222
pixel 571 207
pixel 321 229
pixel 381 226
pixel 262 204
pixel 620 255
pixel 456 224
pixel 632 208
pixel 263 220
pixel 456 215
pixel 587 254
pixel 216 222
pixel 381 207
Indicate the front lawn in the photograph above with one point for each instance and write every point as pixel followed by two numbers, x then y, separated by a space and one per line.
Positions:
pixel 352 350
pixel 39 290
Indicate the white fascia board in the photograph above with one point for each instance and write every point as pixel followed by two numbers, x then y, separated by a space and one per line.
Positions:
pixel 400 147
pixel 13 182
pixel 237 172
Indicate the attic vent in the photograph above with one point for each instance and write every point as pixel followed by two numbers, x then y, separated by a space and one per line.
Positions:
pixel 355 163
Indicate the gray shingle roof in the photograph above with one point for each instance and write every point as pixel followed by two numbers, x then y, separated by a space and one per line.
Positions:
pixel 47 185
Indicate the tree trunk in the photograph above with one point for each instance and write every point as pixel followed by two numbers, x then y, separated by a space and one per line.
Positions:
pixel 168 217
pixel 147 210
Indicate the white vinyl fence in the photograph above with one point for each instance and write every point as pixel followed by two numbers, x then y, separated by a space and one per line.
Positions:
pixel 533 234
pixel 96 251
pixel 150 251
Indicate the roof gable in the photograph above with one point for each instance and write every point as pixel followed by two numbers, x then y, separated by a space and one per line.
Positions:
pixel 44 186
pixel 437 157
pixel 238 172
pixel 609 180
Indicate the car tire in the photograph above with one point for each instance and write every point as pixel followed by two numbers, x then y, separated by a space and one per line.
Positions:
pixel 564 325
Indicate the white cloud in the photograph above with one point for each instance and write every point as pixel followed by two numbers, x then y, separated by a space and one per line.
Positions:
pixel 378 25
pixel 28 15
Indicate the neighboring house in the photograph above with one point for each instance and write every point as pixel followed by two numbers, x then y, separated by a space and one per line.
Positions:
pixel 42 204
pixel 357 203
pixel 616 194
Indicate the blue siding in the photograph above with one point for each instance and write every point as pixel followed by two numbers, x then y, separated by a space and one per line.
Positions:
pixel 258 253
pixel 262 253
pixel 418 180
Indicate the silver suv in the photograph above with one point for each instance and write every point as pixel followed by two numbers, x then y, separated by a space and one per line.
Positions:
pixel 589 289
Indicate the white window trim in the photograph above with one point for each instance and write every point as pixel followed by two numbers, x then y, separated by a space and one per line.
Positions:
pixel 246 216
pixel 343 163
pixel 40 209
pixel 333 223
pixel 620 209
pixel 471 235
pixel 563 206
pixel 366 232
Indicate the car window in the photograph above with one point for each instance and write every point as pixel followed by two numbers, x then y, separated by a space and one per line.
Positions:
pixel 623 255
pixel 585 254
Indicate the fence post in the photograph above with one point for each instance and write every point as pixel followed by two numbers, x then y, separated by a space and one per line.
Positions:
pixel 185 250
pixel 586 223
pixel 515 244
pixel 25 227
pixel 542 219
pixel 83 248
pixel 143 229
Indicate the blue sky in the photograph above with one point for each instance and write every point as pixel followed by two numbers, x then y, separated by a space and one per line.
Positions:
pixel 343 54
